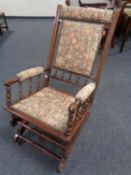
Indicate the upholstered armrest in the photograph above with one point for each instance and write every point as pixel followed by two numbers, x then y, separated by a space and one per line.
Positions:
pixel 85 92
pixel 28 73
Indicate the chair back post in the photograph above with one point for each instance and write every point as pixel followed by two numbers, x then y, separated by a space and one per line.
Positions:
pixel 67 2
pixel 81 4
pixel 107 44
pixel 122 7
pixel 52 46
pixel 106 48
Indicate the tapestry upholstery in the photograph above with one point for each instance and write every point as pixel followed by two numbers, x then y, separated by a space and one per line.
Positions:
pixel 48 106
pixel 28 73
pixel 78 46
pixel 85 92
pixel 91 14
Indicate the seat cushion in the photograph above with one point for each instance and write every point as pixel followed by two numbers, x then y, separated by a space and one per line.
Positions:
pixel 49 106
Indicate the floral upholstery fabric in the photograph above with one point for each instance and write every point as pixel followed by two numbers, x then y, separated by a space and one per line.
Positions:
pixel 48 106
pixel 30 73
pixel 91 14
pixel 85 92
pixel 78 46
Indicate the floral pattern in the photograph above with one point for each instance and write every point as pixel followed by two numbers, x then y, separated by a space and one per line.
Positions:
pixel 78 46
pixel 85 92
pixel 49 106
pixel 92 14
pixel 30 73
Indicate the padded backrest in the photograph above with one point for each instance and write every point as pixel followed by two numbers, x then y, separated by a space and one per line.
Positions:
pixel 78 46
pixel 80 40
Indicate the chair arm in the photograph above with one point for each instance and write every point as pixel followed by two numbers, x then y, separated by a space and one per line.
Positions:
pixel 74 106
pixel 11 81
pixel 28 73
pixel 78 107
pixel 20 77
pixel 72 109
pixel 85 92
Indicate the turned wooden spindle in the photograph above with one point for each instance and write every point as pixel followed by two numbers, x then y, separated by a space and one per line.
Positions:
pixel 8 95
pixel 56 71
pixel 38 82
pixel 72 114
pixel 70 76
pixel 20 90
pixel 30 86
pixel 84 107
pixel 78 116
pixel 85 81
pixel 77 80
pixel 63 74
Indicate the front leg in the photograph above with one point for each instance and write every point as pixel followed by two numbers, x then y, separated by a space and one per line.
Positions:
pixel 14 120
pixel 65 154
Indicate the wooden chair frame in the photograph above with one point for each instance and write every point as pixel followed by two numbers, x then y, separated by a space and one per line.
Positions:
pixel 64 141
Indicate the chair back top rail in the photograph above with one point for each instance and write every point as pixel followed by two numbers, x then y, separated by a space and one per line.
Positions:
pixel 86 14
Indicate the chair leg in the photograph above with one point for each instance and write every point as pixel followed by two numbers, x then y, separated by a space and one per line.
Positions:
pixel 61 165
pixel 6 24
pixel 1 32
pixel 20 132
pixel 66 153
pixel 125 35
pixel 14 120
pixel 63 160
pixel 113 42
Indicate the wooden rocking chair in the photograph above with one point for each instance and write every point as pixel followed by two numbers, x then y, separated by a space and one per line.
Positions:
pixel 51 114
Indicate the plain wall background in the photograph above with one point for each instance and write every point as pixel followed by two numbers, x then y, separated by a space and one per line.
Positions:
pixel 34 7
pixel 29 7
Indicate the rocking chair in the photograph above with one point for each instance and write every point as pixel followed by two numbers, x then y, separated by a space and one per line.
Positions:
pixel 49 113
